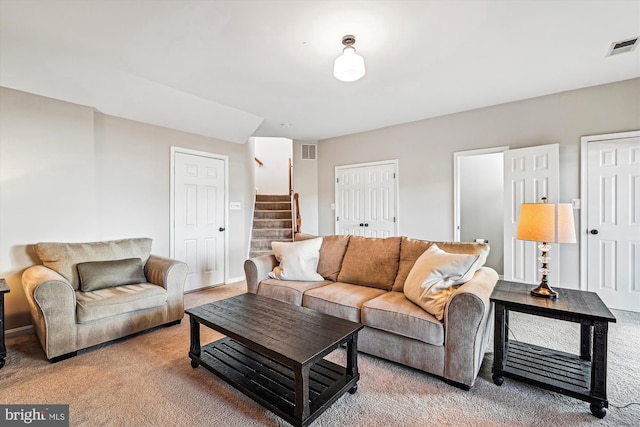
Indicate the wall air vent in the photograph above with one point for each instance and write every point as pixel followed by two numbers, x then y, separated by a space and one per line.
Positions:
pixel 309 151
pixel 622 46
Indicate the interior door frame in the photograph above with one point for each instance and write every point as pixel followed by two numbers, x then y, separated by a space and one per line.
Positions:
pixel 172 220
pixel 584 172
pixel 393 162
pixel 456 181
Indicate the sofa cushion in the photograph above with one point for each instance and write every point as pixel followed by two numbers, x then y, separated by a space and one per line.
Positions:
pixel 298 260
pixel 96 275
pixel 471 248
pixel 109 302
pixel 393 312
pixel 371 262
pixel 331 255
pixel 431 281
pixel 63 257
pixel 410 250
pixel 338 299
pixel 287 291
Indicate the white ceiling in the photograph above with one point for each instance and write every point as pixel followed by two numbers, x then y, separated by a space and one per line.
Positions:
pixel 235 69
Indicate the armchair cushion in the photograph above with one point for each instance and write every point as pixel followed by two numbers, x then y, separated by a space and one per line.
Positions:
pixel 110 302
pixel 96 275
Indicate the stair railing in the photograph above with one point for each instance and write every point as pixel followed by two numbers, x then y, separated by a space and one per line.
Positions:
pixel 298 217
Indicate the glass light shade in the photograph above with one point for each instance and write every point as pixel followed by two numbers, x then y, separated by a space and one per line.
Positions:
pixel 349 66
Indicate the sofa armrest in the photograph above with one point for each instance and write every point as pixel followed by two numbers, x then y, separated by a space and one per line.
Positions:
pixel 52 302
pixel 257 269
pixel 171 274
pixel 467 322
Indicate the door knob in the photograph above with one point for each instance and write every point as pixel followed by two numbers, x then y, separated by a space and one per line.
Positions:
pixel 221 229
pixel 366 224
pixel 361 224
pixel 594 231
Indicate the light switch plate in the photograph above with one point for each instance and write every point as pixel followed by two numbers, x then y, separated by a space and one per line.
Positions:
pixel 235 206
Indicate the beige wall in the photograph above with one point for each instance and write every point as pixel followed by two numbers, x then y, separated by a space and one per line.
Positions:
pixel 305 183
pixel 68 173
pixel 425 150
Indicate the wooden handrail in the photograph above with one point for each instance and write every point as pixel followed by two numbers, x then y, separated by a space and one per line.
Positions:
pixel 298 217
pixel 258 161
pixel 290 177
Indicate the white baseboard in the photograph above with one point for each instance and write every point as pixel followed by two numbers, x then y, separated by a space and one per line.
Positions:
pixel 231 280
pixel 22 330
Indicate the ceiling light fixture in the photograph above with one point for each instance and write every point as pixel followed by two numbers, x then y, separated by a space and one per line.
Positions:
pixel 349 66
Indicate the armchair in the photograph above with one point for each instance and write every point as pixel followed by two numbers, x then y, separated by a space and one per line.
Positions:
pixel 122 289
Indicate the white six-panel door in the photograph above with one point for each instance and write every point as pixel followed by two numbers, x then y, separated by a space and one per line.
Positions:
pixel 612 231
pixel 199 202
pixel 529 174
pixel 366 202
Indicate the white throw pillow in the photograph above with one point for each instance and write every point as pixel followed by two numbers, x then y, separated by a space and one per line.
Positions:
pixel 298 260
pixel 432 278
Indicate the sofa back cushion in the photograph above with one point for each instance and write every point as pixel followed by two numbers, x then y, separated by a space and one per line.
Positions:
pixel 64 257
pixel 371 262
pixel 411 249
pixel 331 256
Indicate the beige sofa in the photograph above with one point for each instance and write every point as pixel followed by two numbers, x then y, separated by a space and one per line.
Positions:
pixel 90 293
pixel 364 279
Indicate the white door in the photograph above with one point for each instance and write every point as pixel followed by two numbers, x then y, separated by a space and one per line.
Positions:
pixel 613 221
pixel 529 174
pixel 199 217
pixel 366 203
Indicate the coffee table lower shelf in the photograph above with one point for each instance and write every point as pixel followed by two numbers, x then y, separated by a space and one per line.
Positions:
pixel 271 383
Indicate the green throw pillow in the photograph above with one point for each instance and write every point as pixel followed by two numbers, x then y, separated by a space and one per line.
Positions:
pixel 96 275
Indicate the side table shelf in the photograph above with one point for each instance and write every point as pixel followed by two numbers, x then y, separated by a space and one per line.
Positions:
pixel 4 288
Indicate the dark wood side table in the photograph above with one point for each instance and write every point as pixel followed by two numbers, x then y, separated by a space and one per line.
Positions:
pixel 4 288
pixel 582 376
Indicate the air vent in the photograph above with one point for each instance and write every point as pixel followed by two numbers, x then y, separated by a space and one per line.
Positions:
pixel 309 151
pixel 622 46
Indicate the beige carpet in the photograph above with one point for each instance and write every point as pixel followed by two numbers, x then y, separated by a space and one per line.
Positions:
pixel 147 380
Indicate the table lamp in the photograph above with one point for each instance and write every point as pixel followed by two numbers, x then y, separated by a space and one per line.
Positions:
pixel 537 223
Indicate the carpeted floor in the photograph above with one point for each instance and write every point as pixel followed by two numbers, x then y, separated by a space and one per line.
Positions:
pixel 147 380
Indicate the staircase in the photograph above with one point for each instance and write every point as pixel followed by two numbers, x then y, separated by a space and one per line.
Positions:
pixel 272 222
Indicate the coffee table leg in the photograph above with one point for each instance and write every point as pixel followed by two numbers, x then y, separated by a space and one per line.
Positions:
pixel 301 410
pixel 352 360
pixel 195 341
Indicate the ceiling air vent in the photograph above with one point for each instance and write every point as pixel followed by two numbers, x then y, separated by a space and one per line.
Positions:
pixel 309 151
pixel 622 46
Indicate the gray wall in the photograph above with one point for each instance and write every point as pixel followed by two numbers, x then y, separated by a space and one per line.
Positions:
pixel 68 173
pixel 305 183
pixel 425 148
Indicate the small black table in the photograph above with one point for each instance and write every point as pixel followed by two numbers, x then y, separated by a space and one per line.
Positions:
pixel 581 376
pixel 4 288
pixel 274 353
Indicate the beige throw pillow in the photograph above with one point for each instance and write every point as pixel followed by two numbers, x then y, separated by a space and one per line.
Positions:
pixel 433 278
pixel 298 260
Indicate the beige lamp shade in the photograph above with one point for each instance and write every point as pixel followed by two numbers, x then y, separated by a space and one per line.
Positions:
pixel 537 223
pixel 566 228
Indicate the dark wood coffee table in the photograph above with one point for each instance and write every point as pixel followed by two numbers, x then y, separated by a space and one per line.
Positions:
pixel 582 376
pixel 273 352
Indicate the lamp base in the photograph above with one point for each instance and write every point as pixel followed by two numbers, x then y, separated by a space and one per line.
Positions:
pixel 544 291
